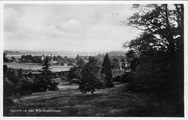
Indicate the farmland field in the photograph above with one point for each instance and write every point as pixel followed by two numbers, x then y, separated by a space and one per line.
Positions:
pixel 34 66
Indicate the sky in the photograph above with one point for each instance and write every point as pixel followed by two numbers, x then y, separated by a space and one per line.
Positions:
pixel 67 27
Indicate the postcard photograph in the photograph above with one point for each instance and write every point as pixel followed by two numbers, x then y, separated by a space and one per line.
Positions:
pixel 93 60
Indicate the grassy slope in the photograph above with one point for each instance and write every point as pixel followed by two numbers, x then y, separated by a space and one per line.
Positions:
pixel 105 102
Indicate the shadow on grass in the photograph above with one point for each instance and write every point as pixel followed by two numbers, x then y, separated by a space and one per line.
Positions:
pixel 111 102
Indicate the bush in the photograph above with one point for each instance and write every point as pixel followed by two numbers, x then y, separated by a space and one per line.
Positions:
pixel 8 88
pixel 24 84
pixel 109 84
pixel 117 78
pixel 28 92
pixel 74 80
pixel 127 77
pixel 52 85
pixel 39 86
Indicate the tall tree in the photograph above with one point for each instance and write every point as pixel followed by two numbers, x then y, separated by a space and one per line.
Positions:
pixel 46 72
pixel 20 75
pixel 46 79
pixel 91 78
pixel 162 28
pixel 157 53
pixel 106 71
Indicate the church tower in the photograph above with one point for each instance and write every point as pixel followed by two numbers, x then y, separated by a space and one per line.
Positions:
pixel 51 59
pixel 43 56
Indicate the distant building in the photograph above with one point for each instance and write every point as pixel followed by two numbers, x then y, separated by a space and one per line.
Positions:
pixel 43 56
pixel 51 58
pixel 125 65
pixel 65 64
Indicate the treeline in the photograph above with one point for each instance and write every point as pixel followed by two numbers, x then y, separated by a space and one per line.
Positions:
pixel 30 58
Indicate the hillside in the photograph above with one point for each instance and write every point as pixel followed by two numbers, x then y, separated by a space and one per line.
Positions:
pixel 69 101
pixel 117 53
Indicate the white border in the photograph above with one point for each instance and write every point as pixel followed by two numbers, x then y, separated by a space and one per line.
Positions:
pixel 97 2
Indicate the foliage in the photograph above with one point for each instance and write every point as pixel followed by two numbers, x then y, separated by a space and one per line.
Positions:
pixel 10 82
pixel 20 75
pixel 162 29
pixel 24 84
pixel 106 71
pixel 30 58
pixel 122 63
pixel 74 72
pixel 156 55
pixel 5 59
pixel 36 59
pixel 91 77
pixel 80 62
pixel 115 64
pixel 46 77
pixel 7 84
pixel 132 59
pixel 11 75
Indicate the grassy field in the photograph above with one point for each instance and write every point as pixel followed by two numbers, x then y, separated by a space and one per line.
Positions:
pixel 69 101
pixel 35 66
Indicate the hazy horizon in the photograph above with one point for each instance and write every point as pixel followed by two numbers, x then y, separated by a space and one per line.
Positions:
pixel 64 53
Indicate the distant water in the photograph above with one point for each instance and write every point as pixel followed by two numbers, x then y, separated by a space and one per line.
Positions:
pixel 34 66
pixel 37 53
pixel 19 55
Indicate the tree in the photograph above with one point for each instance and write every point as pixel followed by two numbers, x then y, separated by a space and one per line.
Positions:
pixel 106 71
pixel 77 57
pixel 91 78
pixel 74 72
pixel 157 53
pixel 161 38
pixel 7 84
pixel 132 59
pixel 46 72
pixel 9 81
pixel 162 28
pixel 20 75
pixel 46 80
pixel 80 62
pixel 5 59
pixel 115 63
pixel 13 59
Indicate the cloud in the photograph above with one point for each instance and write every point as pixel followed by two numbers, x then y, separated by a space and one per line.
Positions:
pixel 66 27
pixel 10 18
pixel 70 26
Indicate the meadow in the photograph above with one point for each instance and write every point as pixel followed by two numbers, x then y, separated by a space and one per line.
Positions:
pixel 68 101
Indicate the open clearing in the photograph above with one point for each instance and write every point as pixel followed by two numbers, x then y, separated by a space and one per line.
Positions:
pixel 69 101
